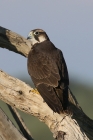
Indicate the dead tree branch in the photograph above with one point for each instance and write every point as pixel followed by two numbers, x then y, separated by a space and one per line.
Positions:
pixel 20 123
pixel 14 42
pixel 7 130
pixel 19 95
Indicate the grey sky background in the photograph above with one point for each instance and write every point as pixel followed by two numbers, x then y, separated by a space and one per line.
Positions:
pixel 69 25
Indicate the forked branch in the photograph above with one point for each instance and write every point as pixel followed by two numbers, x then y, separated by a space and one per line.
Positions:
pixel 18 94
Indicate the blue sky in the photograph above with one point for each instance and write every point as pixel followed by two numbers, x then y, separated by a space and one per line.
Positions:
pixel 69 25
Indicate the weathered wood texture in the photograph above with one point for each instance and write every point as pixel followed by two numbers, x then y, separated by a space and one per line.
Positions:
pixel 18 94
pixel 14 42
pixel 7 129
pixel 24 130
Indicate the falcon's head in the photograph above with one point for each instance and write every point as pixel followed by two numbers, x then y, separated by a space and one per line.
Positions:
pixel 37 36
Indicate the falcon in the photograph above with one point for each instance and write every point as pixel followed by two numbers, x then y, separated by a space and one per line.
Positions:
pixel 48 70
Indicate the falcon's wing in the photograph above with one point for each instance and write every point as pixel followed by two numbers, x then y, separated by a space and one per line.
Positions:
pixel 47 70
pixel 42 66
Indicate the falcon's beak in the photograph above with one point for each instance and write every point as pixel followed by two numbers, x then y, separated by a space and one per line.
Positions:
pixel 29 36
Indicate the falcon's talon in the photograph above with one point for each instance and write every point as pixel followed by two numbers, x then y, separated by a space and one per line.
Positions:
pixel 35 91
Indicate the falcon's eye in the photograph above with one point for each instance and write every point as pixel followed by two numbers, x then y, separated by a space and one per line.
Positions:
pixel 36 33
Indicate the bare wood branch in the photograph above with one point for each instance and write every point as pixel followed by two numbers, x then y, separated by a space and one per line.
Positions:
pixel 14 42
pixel 20 123
pixel 23 97
pixel 12 133
pixel 18 94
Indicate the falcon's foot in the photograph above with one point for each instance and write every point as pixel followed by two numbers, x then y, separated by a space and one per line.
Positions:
pixel 35 91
